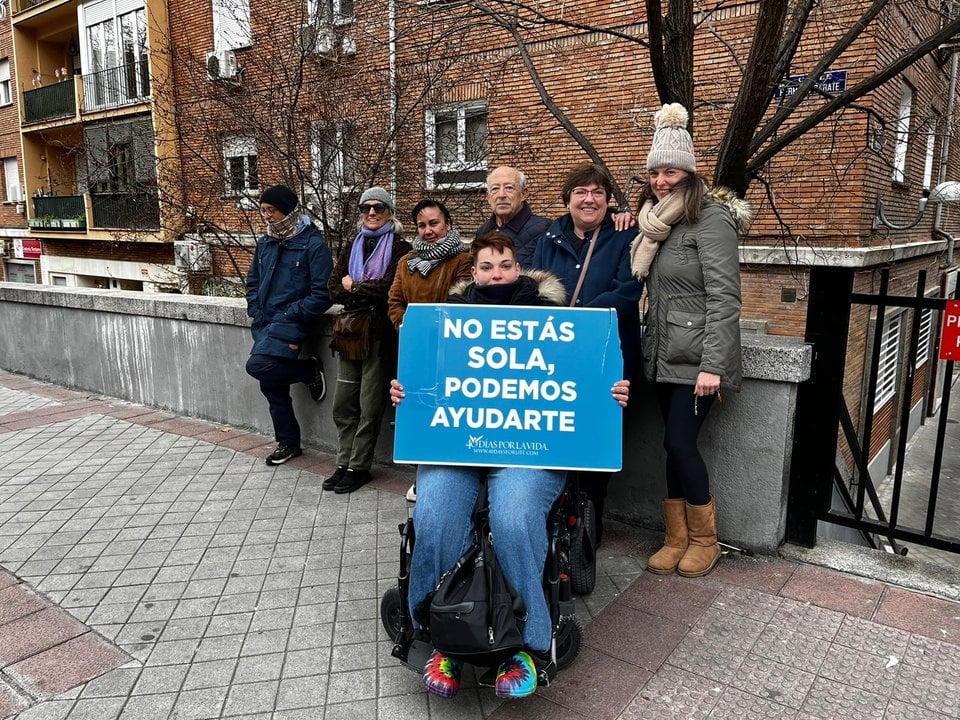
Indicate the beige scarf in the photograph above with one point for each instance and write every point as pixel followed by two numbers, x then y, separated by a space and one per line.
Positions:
pixel 655 222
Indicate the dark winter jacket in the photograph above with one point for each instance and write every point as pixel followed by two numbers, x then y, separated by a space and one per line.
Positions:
pixel 369 295
pixel 524 229
pixel 287 290
pixel 693 316
pixel 534 287
pixel 609 282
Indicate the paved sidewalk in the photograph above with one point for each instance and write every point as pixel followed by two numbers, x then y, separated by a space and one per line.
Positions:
pixel 152 566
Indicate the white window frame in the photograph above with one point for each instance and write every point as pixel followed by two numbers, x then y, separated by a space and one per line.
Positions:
pixel 231 24
pixel 923 341
pixel 11 179
pixel 243 147
pixel 6 91
pixel 330 12
pixel 461 164
pixel 902 135
pixel 889 361
pixel 928 157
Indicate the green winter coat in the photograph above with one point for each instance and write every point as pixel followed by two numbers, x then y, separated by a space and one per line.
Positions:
pixel 693 311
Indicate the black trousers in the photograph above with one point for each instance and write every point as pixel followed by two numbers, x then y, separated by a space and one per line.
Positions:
pixel 686 472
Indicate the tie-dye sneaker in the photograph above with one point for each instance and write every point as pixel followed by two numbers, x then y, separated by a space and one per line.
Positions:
pixel 517 677
pixel 441 675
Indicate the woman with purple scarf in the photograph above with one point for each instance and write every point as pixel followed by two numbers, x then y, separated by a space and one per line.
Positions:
pixel 363 336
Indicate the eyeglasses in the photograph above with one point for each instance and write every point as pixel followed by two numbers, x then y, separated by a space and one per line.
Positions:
pixel 583 193
pixel 376 207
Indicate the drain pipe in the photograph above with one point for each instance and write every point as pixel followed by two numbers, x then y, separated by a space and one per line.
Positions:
pixel 392 74
pixel 945 156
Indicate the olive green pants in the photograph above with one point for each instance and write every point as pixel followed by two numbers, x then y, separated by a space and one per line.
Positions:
pixel 359 401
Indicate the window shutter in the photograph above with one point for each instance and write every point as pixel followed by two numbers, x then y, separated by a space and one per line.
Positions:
pixel 231 24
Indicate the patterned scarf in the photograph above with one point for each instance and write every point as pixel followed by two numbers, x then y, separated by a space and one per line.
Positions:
pixel 288 227
pixel 429 255
pixel 655 222
pixel 376 265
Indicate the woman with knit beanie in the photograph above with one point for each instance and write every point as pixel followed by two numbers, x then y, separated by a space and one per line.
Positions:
pixel 363 336
pixel 686 252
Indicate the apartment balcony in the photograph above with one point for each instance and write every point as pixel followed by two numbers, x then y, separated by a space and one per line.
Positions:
pixel 50 102
pixel 122 85
pixel 20 6
pixel 59 212
pixel 126 210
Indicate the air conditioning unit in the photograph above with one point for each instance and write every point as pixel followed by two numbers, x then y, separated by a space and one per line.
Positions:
pixel 348 45
pixel 222 65
pixel 191 255
pixel 318 40
pixel 15 194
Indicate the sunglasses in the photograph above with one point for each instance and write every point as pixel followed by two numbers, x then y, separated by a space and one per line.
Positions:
pixel 376 207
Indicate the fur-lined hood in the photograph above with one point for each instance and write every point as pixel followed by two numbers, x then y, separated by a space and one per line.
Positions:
pixel 739 208
pixel 550 289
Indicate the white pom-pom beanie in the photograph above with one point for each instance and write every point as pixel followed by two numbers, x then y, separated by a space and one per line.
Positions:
pixel 672 144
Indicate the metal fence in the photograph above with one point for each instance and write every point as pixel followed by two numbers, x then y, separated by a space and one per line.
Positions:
pixel 820 475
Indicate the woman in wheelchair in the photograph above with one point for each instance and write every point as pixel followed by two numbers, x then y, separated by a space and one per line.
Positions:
pixel 519 499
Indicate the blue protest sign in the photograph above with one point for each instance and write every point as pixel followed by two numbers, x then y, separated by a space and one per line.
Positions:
pixel 509 386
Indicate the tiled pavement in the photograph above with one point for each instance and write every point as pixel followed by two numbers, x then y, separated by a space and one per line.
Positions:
pixel 156 568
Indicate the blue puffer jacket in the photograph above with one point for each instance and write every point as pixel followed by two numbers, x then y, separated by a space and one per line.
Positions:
pixel 609 282
pixel 287 289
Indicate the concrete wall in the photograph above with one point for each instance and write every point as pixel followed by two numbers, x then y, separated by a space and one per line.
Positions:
pixel 186 354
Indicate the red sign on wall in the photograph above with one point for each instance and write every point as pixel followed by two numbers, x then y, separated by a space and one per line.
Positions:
pixel 24 249
pixel 950 332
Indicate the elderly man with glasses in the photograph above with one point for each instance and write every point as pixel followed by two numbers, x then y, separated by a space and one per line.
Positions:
pixel 512 216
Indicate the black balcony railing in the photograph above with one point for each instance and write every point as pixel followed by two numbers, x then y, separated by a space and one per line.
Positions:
pixel 23 5
pixel 128 83
pixel 126 211
pixel 61 212
pixel 50 102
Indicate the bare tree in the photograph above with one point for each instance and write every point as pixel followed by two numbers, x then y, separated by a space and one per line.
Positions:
pixel 760 122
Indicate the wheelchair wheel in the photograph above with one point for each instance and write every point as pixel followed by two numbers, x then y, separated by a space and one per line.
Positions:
pixel 390 612
pixel 583 554
pixel 569 640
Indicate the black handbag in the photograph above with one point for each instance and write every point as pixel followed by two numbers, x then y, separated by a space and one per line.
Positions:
pixel 475 615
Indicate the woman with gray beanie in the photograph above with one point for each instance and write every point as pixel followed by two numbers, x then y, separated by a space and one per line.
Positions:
pixel 363 336
pixel 687 254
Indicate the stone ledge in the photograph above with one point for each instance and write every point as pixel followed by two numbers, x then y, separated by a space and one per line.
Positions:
pixel 776 357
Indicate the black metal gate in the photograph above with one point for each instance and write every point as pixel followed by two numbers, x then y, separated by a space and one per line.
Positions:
pixel 830 478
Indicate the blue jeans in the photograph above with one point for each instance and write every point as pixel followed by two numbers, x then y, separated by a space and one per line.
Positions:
pixel 520 499
pixel 276 375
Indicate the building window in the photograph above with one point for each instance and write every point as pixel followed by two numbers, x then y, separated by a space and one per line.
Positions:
pixel 116 51
pixel 456 146
pixel 325 12
pixel 240 165
pixel 902 134
pixel 6 98
pixel 928 157
pixel 333 152
pixel 887 368
pixel 11 180
pixel 231 24
pixel 923 342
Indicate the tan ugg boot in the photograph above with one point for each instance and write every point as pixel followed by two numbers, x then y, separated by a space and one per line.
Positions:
pixel 664 561
pixel 703 551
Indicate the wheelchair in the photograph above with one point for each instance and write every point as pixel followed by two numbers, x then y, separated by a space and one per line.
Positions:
pixel 570 568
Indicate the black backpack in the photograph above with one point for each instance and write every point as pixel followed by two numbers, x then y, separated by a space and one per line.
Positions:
pixel 475 615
